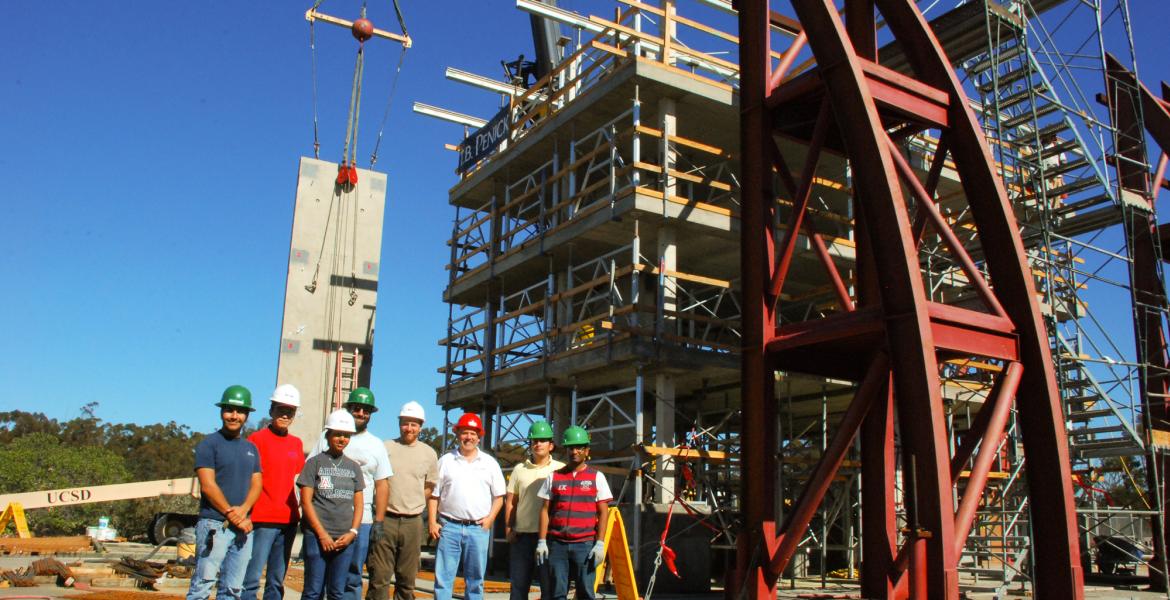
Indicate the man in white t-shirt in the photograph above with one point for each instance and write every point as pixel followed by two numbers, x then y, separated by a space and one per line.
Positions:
pixel 467 497
pixel 368 451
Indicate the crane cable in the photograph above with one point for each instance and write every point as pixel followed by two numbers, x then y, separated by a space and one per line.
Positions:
pixel 393 84
pixel 355 101
pixel 389 101
pixel 313 61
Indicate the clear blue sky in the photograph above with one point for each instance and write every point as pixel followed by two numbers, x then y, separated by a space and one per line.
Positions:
pixel 149 154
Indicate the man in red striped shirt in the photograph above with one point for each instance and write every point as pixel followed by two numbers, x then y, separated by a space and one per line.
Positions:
pixel 576 507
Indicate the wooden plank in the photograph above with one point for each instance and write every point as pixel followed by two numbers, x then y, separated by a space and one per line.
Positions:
pixel 688 453
pixel 521 343
pixel 600 319
pixel 463 333
pixel 711 183
pixel 461 363
pixel 723 283
pixel 689 143
pixel 45 545
pixel 608 48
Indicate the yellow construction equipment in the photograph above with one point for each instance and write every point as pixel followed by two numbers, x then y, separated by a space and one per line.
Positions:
pixel 617 556
pixel 15 512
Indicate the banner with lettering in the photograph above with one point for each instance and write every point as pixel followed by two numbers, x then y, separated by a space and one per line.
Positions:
pixel 484 141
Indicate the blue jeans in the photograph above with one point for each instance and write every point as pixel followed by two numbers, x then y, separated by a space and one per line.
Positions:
pixel 221 557
pixel 522 568
pixel 326 572
pixel 465 545
pixel 571 560
pixel 271 547
pixel 361 546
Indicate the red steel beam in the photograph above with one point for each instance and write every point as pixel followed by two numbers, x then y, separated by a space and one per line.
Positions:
pixel 906 323
pixel 896 317
pixel 800 195
pixel 758 438
pixel 1057 563
pixel 1134 110
pixel 786 61
pixel 926 203
pixel 1008 382
pixel 827 467
pixel 879 521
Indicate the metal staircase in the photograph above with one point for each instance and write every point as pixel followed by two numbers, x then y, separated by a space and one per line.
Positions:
pixel 1051 174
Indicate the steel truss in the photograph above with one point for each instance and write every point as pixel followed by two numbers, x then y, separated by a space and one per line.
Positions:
pixel 1136 110
pixel 889 336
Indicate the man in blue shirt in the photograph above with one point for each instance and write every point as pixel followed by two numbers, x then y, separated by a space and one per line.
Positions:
pixel 228 468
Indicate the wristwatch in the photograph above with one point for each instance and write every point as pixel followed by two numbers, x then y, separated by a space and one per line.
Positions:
pixel 353 531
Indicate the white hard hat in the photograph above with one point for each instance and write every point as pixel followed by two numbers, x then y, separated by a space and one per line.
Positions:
pixel 412 410
pixel 287 394
pixel 341 420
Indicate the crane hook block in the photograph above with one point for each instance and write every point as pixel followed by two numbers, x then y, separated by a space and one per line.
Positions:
pixel 362 29
pixel 347 174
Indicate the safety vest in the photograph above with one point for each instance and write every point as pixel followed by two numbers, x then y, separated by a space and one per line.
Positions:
pixel 573 506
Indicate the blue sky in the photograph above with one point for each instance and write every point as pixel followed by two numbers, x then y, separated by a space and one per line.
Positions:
pixel 149 156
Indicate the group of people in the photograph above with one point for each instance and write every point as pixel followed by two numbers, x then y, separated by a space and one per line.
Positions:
pixel 356 498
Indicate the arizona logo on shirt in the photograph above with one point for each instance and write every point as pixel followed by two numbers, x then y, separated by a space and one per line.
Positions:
pixel 325 483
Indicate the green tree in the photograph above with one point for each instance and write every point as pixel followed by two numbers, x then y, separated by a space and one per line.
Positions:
pixel 122 453
pixel 40 461
pixel 17 423
pixel 431 437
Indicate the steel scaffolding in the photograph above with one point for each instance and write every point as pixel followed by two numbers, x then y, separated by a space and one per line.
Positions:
pixel 595 273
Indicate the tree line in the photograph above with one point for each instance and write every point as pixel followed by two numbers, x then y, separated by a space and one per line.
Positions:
pixel 39 453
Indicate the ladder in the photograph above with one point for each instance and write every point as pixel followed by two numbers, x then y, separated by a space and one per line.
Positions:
pixel 345 378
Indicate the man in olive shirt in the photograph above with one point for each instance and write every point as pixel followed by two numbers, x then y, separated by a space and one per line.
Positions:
pixel 522 508
pixel 396 549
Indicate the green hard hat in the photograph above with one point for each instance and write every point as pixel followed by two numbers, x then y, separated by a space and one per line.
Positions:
pixel 576 436
pixel 236 396
pixel 362 396
pixel 540 430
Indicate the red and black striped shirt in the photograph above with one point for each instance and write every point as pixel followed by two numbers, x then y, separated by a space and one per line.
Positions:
pixel 572 515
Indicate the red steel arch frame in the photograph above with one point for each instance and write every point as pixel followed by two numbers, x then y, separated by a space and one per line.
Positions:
pixel 888 336
pixel 1135 110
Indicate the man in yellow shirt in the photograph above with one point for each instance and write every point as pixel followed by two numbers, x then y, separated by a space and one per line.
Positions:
pixel 522 513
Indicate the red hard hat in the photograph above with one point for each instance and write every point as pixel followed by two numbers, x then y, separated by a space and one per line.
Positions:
pixel 469 421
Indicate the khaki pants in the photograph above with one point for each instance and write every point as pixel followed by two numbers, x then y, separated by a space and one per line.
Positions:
pixel 397 554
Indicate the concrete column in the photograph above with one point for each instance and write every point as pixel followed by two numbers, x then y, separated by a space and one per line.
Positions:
pixel 664 403
pixel 668 290
pixel 668 156
pixel 564 308
pixel 560 403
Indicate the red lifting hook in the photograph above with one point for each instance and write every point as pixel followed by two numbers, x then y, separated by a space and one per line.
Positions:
pixel 347 174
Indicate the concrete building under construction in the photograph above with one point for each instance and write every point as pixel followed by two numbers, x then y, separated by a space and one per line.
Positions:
pixel 602 262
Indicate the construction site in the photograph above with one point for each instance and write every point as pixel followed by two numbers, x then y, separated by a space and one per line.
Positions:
pixel 730 324
pixel 857 299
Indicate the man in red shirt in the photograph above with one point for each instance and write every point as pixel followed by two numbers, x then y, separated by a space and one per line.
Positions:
pixel 572 522
pixel 275 515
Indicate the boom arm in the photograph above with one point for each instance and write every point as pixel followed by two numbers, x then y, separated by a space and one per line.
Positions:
pixel 103 493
